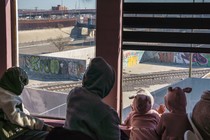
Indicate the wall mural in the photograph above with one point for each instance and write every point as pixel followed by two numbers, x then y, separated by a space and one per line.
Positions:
pixel 198 59
pixel 131 58
pixel 52 67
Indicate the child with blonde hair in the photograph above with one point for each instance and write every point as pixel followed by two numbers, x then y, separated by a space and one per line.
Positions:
pixel 142 120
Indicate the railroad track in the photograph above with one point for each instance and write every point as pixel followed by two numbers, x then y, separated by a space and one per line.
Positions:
pixel 141 80
pixel 165 74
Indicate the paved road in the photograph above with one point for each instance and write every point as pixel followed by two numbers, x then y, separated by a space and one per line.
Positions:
pixel 47 47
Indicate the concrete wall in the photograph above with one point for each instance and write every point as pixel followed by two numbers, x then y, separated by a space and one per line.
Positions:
pixel 82 53
pixel 131 58
pixel 199 59
pixel 44 103
pixel 198 86
pixel 45 68
pixel 43 34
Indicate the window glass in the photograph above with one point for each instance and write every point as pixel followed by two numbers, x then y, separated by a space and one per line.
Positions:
pixel 56 42
pixel 166 1
pixel 156 71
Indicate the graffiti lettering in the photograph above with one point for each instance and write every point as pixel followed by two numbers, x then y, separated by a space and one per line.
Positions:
pixel 166 57
pixel 131 58
pixel 181 58
pixel 196 58
pixel 53 66
pixel 32 63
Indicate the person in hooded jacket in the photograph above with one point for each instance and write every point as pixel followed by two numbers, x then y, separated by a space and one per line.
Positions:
pixel 175 123
pixel 201 115
pixel 86 112
pixel 142 120
pixel 11 107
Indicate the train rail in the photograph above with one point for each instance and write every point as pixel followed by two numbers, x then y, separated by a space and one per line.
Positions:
pixel 139 80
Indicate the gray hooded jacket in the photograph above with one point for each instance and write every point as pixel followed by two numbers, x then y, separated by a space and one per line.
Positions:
pixel 86 112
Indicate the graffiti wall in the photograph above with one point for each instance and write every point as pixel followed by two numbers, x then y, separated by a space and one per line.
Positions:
pixel 198 59
pixel 52 67
pixel 131 58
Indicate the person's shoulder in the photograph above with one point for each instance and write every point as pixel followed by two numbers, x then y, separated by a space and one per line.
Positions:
pixel 4 91
pixel 170 117
pixel 108 107
pixel 107 110
pixel 75 90
pixel 73 93
pixel 111 114
pixel 8 94
pixel 154 113
pixel 166 115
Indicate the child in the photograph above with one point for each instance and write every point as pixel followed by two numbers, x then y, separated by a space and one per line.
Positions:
pixel 174 124
pixel 86 112
pixel 142 120
pixel 11 108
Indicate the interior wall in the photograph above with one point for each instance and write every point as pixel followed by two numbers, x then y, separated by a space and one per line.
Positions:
pixel 5 36
pixel 108 43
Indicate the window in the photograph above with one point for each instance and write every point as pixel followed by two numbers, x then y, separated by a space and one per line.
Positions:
pixel 165 44
pixel 56 43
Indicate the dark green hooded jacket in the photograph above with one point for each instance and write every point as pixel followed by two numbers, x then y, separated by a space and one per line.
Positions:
pixel 11 86
pixel 14 80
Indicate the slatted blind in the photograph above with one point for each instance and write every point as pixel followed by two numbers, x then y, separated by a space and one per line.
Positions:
pixel 176 27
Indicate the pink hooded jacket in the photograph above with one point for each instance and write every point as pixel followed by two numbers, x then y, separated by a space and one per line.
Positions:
pixel 143 119
pixel 173 125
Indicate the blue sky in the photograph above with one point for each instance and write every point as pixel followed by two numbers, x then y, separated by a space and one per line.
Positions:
pixel 71 4
pixel 47 4
pixel 166 0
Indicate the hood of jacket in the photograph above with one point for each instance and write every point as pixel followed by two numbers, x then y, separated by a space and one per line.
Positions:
pixel 14 79
pixel 175 99
pixel 99 77
pixel 142 101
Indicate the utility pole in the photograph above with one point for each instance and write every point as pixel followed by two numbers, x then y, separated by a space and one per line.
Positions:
pixel 191 55
pixel 36 8
pixel 62 8
pixel 62 4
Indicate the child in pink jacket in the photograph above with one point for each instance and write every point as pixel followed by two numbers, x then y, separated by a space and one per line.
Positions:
pixel 142 120
pixel 174 124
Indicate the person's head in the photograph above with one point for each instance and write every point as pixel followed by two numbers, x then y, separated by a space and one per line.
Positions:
pixel 99 77
pixel 175 99
pixel 142 101
pixel 14 79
